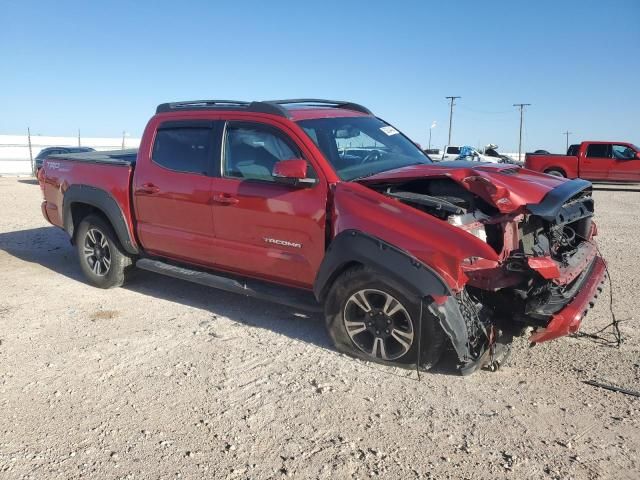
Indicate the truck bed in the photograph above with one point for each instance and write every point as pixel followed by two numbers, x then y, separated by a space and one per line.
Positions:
pixel 103 176
pixel 543 162
pixel 110 157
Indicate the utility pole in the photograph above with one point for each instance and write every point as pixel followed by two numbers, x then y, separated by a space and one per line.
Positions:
pixel 430 130
pixel 33 168
pixel 567 133
pixel 521 106
pixel 452 100
pixel 79 138
pixel 123 135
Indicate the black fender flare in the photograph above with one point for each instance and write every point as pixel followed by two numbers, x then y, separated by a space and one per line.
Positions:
pixel 553 202
pixel 103 201
pixel 352 246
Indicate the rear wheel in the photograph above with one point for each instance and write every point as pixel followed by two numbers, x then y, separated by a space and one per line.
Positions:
pixel 371 317
pixel 555 173
pixel 102 259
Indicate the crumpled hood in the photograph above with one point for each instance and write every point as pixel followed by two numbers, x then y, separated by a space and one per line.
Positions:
pixel 508 187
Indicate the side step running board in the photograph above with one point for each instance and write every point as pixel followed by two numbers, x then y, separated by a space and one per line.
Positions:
pixel 291 297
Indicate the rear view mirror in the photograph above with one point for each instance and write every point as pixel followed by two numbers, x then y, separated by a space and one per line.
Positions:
pixel 347 132
pixel 292 172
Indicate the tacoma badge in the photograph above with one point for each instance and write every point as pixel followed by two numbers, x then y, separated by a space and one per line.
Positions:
pixel 284 243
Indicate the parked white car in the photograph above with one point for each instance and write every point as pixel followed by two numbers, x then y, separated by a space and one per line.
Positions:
pixel 489 154
pixel 452 152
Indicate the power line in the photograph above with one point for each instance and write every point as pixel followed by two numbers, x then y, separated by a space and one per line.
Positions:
pixel 521 106
pixel 452 99
pixel 485 112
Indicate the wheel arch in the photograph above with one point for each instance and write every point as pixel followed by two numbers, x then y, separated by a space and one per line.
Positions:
pixel 353 247
pixel 557 169
pixel 82 200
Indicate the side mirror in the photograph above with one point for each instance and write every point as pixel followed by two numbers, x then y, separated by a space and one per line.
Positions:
pixel 292 172
pixel 638 155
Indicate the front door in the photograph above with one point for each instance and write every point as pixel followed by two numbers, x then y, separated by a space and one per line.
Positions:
pixel 626 164
pixel 264 228
pixel 172 192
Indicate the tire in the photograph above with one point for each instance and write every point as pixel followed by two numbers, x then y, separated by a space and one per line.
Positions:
pixel 102 259
pixel 366 337
pixel 555 172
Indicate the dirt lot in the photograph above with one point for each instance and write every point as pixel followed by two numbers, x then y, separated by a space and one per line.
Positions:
pixel 164 379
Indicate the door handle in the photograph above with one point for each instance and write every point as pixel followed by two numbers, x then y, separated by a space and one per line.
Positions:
pixel 148 188
pixel 224 199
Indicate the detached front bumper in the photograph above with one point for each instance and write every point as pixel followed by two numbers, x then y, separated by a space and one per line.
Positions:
pixel 568 320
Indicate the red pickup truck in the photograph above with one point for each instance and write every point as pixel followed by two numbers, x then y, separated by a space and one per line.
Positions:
pixel 316 202
pixel 595 161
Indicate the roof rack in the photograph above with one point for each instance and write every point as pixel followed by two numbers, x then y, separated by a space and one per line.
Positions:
pixel 328 103
pixel 261 107
pixel 273 107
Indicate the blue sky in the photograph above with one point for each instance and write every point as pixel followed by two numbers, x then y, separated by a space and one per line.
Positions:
pixel 104 66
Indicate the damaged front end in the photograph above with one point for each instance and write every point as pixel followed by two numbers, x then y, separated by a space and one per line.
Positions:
pixel 546 271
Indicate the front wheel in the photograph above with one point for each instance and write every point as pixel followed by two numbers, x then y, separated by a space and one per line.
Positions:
pixel 371 317
pixel 102 258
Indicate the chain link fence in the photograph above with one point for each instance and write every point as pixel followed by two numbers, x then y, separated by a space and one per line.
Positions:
pixel 18 152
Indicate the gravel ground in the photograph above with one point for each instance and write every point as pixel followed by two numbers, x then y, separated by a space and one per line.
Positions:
pixel 165 379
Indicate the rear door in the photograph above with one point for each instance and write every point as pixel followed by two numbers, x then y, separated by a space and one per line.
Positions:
pixel 597 162
pixel 172 191
pixel 626 164
pixel 264 228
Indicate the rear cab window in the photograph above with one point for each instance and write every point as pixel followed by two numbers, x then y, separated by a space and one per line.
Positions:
pixel 184 148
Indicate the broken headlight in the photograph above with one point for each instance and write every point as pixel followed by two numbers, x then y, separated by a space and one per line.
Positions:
pixel 471 222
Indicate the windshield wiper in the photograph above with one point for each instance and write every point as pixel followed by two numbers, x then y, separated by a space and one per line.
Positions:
pixel 355 179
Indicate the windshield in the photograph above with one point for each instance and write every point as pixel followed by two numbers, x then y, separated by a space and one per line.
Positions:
pixel 360 147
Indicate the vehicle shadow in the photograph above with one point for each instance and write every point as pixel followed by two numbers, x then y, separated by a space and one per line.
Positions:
pixel 598 188
pixel 50 248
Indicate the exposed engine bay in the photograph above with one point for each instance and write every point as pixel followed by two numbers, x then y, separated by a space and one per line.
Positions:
pixel 544 257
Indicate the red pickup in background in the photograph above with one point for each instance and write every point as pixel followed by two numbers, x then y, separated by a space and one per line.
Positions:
pixel 594 161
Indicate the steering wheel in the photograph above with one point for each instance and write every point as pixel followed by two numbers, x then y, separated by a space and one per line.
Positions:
pixel 373 156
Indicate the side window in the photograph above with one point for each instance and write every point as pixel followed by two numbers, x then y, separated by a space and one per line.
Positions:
pixel 252 150
pixel 599 150
pixel 622 152
pixel 183 149
pixel 453 150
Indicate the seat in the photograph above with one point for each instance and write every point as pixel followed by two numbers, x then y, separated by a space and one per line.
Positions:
pixel 251 162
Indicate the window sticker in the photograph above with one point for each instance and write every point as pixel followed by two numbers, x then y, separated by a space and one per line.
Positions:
pixel 389 130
